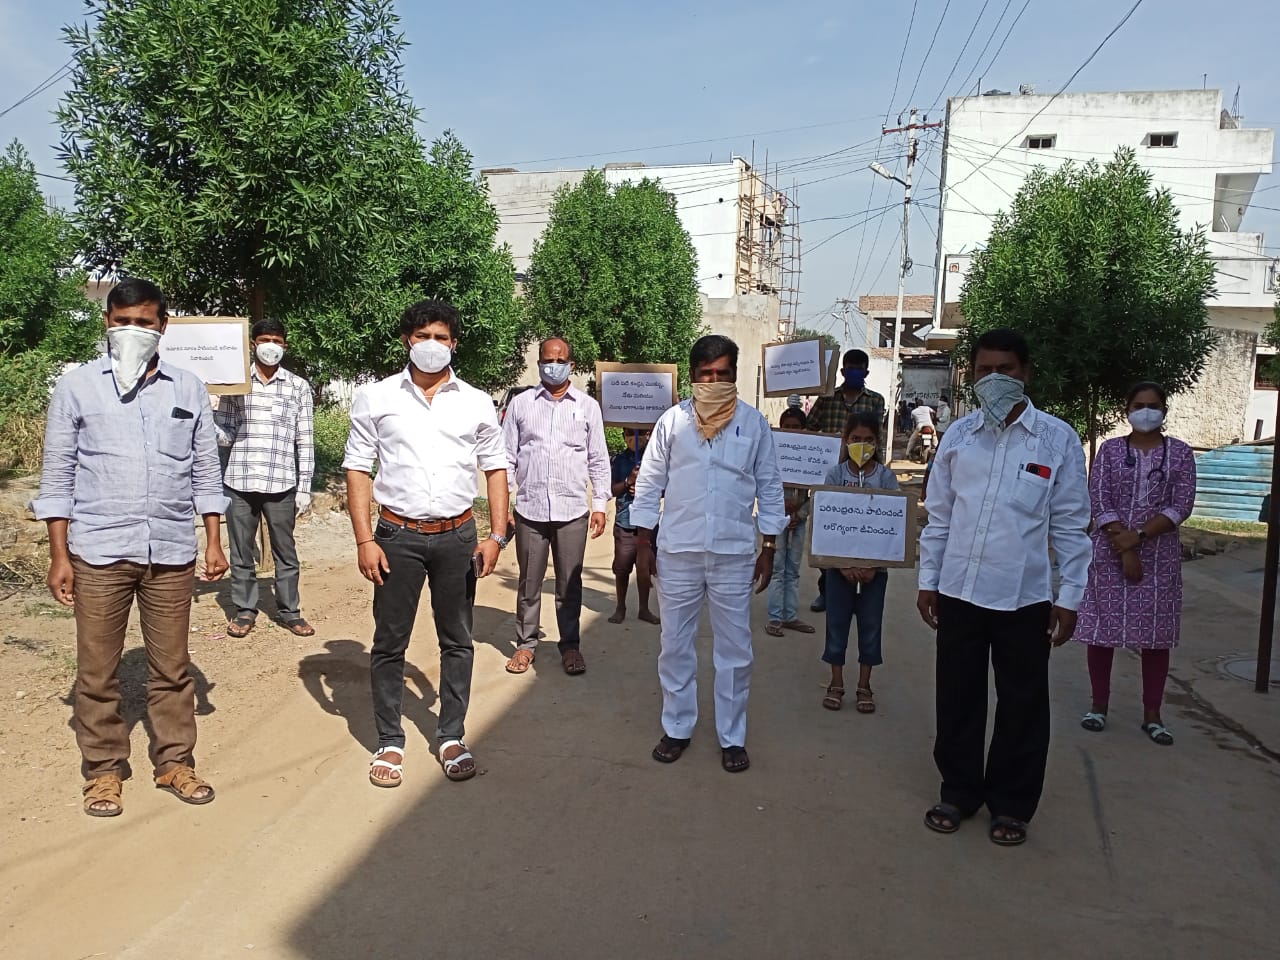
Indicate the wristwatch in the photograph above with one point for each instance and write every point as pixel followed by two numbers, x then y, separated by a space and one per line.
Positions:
pixel 769 543
pixel 500 541
pixel 1142 536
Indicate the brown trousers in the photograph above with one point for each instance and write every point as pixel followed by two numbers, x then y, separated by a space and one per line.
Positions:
pixel 104 596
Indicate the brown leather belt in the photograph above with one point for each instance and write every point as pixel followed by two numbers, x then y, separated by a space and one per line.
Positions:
pixel 425 526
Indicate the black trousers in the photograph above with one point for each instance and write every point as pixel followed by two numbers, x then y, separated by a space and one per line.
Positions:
pixel 1016 644
pixel 443 560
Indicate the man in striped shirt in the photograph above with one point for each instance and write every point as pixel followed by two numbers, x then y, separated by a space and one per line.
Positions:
pixel 555 442
pixel 271 459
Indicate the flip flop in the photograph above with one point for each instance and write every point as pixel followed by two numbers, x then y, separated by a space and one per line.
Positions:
pixel 943 811
pixel 1094 722
pixel 299 627
pixel 397 768
pixel 1015 831
pixel 1158 733
pixel 241 625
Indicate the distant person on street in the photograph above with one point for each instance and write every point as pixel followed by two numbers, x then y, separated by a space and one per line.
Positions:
pixel 922 419
pixel 943 415
pixel 554 435
pixel 627 556
pixel 715 459
pixel 1007 481
pixel 784 589
pixel 426 431
pixel 130 460
pixel 856 592
pixel 1143 487
pixel 271 459
pixel 830 414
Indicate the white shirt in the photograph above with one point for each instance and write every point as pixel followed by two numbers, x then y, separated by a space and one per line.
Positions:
pixel 944 416
pixel 922 416
pixel 996 499
pixel 710 488
pixel 427 452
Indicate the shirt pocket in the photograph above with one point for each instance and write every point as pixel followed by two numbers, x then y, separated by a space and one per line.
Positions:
pixel 738 453
pixel 1031 492
pixel 175 440
pixel 577 432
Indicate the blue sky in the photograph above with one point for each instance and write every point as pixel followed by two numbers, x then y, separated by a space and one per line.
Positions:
pixel 524 83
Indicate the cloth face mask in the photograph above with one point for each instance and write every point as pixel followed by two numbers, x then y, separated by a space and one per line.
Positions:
pixel 131 349
pixel 855 377
pixel 861 453
pixel 714 404
pixel 555 372
pixel 1146 420
pixel 998 395
pixel 269 353
pixel 430 356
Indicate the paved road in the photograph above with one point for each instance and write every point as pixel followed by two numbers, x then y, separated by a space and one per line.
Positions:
pixel 574 843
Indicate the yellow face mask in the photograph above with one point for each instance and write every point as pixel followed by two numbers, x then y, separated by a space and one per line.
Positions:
pixel 862 453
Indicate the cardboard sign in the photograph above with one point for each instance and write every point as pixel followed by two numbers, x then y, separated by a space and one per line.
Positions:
pixel 215 349
pixel 862 527
pixel 804 458
pixel 833 373
pixel 636 395
pixel 793 366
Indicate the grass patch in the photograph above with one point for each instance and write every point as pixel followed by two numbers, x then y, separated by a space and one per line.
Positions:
pixel 1236 528
pixel 332 424
pixel 56 610
pixel 21 444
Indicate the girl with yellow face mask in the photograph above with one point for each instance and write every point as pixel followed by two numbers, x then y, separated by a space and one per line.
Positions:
pixel 856 592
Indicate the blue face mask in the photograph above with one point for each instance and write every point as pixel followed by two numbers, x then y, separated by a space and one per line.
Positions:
pixel 555 372
pixel 855 377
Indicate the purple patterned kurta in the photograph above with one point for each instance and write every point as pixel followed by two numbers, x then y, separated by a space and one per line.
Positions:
pixel 1144 615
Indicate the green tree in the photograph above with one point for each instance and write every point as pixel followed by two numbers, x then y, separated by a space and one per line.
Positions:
pixel 1271 337
pixel 1090 265
pixel 829 341
pixel 45 319
pixel 615 272
pixel 444 248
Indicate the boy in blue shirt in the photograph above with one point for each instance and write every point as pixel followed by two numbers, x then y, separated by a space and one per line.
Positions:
pixel 626 555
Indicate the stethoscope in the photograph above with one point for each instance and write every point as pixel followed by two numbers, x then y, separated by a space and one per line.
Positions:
pixel 1131 460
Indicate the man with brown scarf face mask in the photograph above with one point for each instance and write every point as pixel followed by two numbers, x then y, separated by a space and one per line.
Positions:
pixel 715 459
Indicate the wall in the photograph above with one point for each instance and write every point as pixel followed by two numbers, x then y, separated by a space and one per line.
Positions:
pixel 750 321
pixel 1213 412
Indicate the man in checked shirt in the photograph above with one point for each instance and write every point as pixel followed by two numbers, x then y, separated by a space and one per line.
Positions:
pixel 268 476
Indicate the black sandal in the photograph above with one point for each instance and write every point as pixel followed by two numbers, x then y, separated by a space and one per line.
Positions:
pixel 1015 831
pixel 938 817
pixel 669 749
pixel 241 626
pixel 734 759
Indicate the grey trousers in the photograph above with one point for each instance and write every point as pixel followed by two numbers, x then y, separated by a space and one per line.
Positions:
pixel 566 541
pixel 246 512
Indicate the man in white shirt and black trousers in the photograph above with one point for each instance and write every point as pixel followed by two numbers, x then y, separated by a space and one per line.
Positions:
pixel 714 460
pixel 1008 482
pixel 427 431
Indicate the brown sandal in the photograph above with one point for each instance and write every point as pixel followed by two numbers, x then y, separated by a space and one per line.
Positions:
pixel 299 627
pixel 241 626
pixel 104 789
pixel 834 698
pixel 520 662
pixel 573 663
pixel 865 700
pixel 773 628
pixel 799 626
pixel 184 783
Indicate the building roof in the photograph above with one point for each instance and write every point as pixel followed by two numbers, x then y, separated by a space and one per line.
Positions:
pixel 912 303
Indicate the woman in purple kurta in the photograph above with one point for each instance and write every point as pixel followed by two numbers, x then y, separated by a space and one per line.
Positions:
pixel 1143 487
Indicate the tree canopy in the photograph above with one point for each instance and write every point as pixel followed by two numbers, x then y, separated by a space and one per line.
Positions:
pixel 1091 266
pixel 616 274
pixel 829 341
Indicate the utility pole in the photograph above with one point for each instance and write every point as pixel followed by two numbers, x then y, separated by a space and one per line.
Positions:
pixel 905 266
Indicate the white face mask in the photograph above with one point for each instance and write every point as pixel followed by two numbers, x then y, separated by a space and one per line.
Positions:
pixel 131 349
pixel 269 353
pixel 430 356
pixel 1146 420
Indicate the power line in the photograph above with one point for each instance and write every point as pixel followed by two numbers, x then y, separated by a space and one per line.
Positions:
pixel 960 55
pixel 911 97
pixel 901 57
pixel 41 87
pixel 995 56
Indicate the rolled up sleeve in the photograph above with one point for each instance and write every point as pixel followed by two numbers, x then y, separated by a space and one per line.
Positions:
pixel 771 514
pixel 652 479
pixel 58 477
pixel 1069 515
pixel 206 471
pixel 491 449
pixel 362 441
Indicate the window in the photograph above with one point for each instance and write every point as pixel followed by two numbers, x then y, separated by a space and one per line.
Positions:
pixel 1042 142
pixel 1263 376
pixel 1162 139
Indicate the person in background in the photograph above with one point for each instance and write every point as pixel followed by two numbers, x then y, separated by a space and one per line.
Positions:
pixel 856 591
pixel 625 467
pixel 269 434
pixel 922 418
pixel 784 590
pixel 428 432
pixel 554 435
pixel 130 460
pixel 712 468
pixel 1007 480
pixel 943 417
pixel 830 414
pixel 1142 487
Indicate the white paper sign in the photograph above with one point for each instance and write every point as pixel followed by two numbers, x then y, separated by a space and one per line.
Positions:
pixel 631 398
pixel 214 351
pixel 856 524
pixel 793 367
pixel 804 458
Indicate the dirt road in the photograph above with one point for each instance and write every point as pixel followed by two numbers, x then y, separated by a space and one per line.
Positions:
pixel 574 843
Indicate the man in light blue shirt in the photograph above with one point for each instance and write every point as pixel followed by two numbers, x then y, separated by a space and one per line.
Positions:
pixel 129 460
pixel 715 459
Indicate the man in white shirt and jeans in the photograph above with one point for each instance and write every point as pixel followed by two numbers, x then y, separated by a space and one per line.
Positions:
pixel 714 460
pixel 921 416
pixel 427 431
pixel 1008 482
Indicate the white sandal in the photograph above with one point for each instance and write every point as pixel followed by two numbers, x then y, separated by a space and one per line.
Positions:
pixel 453 766
pixel 396 768
pixel 1094 722
pixel 1158 733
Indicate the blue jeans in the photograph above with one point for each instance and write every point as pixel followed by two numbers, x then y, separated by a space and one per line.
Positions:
pixel 784 588
pixel 845 601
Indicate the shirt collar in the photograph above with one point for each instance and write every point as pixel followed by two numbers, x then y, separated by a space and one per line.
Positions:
pixel 406 379
pixel 570 394
pixel 1027 419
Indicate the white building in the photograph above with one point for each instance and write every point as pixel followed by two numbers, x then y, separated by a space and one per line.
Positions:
pixel 1193 148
